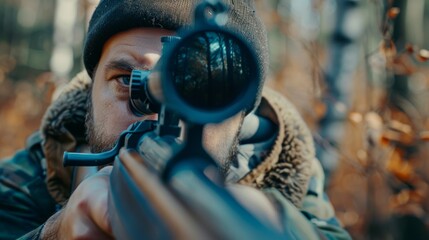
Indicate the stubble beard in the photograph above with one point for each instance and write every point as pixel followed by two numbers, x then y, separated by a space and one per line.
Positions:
pixel 225 165
pixel 96 133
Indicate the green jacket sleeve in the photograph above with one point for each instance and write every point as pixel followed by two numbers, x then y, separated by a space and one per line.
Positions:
pixel 25 203
pixel 33 235
pixel 302 224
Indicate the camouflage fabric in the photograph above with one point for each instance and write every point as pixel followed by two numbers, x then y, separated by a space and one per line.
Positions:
pixel 25 202
pixel 301 224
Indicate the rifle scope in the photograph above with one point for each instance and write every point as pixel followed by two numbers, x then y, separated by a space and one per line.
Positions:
pixel 206 74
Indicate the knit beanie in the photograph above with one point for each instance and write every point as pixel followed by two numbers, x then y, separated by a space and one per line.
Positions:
pixel 114 16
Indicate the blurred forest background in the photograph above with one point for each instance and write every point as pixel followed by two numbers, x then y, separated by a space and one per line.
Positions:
pixel 356 70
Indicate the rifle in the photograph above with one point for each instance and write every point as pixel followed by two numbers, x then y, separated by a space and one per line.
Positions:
pixel 164 188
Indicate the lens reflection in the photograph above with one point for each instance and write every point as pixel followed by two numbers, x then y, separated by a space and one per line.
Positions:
pixel 211 70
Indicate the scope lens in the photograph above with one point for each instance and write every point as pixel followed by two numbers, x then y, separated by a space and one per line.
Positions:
pixel 211 70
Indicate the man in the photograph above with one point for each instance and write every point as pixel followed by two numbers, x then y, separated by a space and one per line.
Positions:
pixel 274 162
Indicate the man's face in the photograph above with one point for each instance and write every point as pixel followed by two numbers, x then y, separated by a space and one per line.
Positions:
pixel 109 114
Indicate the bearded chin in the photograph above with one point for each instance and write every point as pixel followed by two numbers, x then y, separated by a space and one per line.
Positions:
pixel 98 142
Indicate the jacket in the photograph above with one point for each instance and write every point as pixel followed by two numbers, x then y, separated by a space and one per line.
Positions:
pixel 279 159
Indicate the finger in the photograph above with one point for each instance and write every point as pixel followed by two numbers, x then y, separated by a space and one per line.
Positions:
pixel 97 204
pixel 106 170
pixel 88 229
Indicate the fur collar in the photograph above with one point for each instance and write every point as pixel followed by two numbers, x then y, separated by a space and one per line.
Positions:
pixel 63 129
pixel 289 163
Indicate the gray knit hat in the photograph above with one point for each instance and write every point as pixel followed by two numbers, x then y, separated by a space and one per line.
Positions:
pixel 114 16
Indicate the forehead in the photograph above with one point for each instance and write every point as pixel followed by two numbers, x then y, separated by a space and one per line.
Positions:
pixel 134 43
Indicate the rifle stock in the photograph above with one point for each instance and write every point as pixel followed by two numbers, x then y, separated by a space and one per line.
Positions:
pixel 142 207
pixel 188 204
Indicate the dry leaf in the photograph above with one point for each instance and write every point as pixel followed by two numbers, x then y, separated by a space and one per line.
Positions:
pixel 320 109
pixel 393 12
pixel 374 120
pixel 355 117
pixel 410 48
pixel 392 135
pixel 423 55
pixel 402 65
pixel 388 48
pixel 400 168
pixel 424 136
pixel 374 124
pixel 401 127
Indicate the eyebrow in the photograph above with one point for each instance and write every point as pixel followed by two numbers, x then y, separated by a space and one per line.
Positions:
pixel 120 64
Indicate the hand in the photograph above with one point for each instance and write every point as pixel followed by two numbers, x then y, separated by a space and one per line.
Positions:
pixel 86 213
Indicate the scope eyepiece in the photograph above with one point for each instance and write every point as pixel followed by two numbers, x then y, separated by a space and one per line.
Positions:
pixel 140 101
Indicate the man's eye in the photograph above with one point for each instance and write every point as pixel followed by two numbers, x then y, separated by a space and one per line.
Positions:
pixel 124 79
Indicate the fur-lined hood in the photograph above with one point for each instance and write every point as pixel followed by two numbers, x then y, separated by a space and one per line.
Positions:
pixel 289 163
pixel 287 166
pixel 63 129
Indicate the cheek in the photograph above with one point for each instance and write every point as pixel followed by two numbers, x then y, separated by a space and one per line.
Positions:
pixel 111 111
